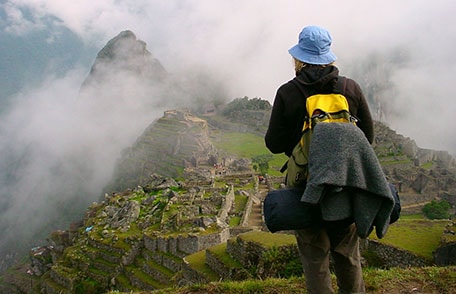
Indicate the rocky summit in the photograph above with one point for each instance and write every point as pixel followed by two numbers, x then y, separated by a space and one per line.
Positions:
pixel 124 55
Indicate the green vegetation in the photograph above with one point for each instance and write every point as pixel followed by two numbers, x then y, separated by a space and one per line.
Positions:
pixel 427 165
pixel 239 203
pixel 247 145
pixel 143 277
pixel 261 163
pixel 243 104
pixel 269 240
pixel 412 216
pixel 281 262
pixel 88 285
pixel 378 281
pixel 234 221
pixel 405 233
pixel 222 255
pixel 198 262
pixel 437 210
pixel 243 145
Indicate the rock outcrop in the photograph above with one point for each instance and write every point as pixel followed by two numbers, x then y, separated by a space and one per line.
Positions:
pixel 122 56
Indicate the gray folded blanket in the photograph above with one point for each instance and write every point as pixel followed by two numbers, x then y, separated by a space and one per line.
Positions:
pixel 341 157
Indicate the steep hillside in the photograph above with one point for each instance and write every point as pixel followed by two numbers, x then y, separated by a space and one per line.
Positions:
pixel 171 143
pixel 420 174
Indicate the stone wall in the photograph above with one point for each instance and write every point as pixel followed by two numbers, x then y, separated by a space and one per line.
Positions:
pixel 445 255
pixel 247 253
pixel 171 262
pixel 389 256
pixel 187 244
pixel 226 205
pixel 192 276
pixel 223 270
pixel 247 212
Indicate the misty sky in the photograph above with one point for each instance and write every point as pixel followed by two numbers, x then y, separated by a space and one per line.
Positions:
pixel 244 43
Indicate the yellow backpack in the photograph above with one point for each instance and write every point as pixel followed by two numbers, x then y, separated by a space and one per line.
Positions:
pixel 321 108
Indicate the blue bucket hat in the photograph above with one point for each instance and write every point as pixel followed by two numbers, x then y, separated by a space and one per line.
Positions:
pixel 314 46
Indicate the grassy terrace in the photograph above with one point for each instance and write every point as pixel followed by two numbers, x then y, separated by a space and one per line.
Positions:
pixel 220 252
pixel 414 280
pixel 415 234
pixel 198 262
pixel 249 145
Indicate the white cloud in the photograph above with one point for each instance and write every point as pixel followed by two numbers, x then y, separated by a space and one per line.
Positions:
pixel 17 23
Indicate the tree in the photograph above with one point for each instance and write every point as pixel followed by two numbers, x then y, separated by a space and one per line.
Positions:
pixel 437 209
pixel 261 162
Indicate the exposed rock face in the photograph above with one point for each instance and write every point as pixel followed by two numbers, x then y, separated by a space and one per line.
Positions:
pixel 419 174
pixel 389 143
pixel 124 54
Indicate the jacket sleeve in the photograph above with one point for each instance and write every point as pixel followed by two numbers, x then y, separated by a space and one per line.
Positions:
pixel 360 108
pixel 279 135
pixel 365 123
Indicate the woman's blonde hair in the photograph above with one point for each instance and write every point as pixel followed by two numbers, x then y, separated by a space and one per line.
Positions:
pixel 299 65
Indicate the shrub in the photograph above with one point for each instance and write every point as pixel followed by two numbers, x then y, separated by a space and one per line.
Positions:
pixel 262 163
pixel 437 209
pixel 280 262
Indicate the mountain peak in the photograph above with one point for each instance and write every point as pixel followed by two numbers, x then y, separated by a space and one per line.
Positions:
pixel 125 54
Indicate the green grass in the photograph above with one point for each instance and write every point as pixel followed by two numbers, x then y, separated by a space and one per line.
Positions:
pixel 269 240
pixel 419 236
pixel 241 144
pixel 222 255
pixel 198 262
pixel 276 164
pixel 378 281
pixel 427 165
pixel 239 203
pixel 412 216
pixel 391 162
pixel 145 278
pixel 235 221
pixel 248 145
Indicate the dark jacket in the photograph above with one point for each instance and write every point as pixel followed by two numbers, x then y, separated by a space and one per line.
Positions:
pixel 288 111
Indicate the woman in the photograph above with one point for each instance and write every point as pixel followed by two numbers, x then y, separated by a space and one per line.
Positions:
pixel 316 73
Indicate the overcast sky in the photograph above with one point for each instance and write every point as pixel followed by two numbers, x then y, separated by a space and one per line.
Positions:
pixel 244 43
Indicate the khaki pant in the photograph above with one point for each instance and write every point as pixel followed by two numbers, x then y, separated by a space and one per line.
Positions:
pixel 315 245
